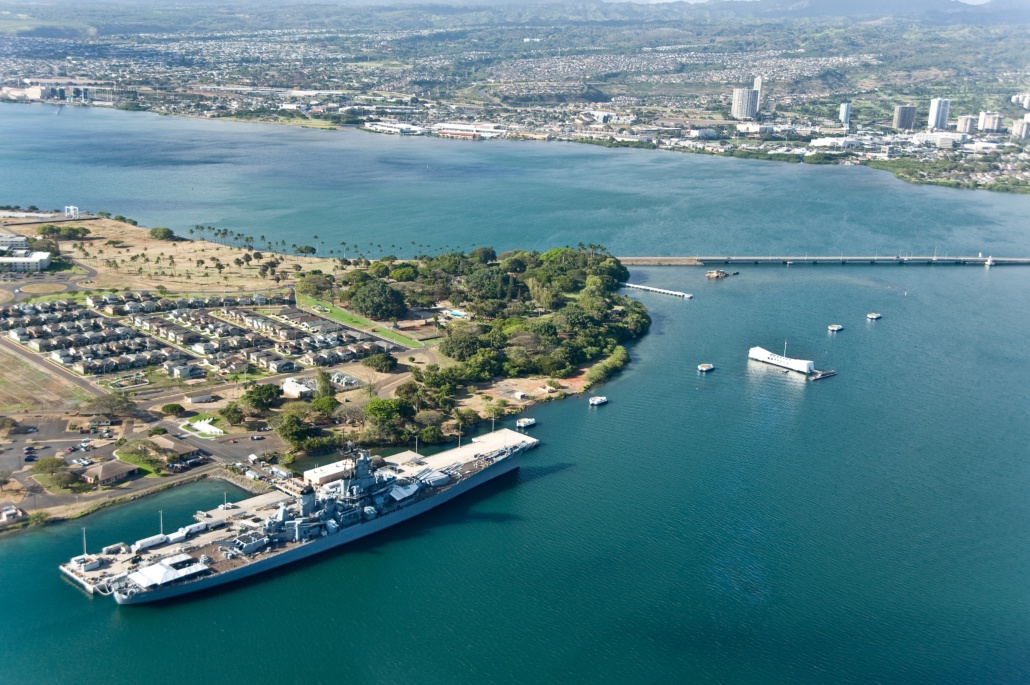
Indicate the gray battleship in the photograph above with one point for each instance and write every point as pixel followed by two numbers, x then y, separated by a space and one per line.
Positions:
pixel 331 506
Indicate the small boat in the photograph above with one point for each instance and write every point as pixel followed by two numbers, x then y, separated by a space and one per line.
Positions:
pixel 872 316
pixel 525 423
pixel 705 368
pixel 598 400
pixel 835 327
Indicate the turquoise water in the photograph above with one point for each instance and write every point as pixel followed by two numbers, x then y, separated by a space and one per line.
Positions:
pixel 741 527
pixel 289 183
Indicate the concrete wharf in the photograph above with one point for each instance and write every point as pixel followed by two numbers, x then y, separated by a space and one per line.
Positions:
pixel 978 260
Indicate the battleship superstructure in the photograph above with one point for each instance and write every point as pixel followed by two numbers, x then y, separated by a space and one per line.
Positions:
pixel 332 505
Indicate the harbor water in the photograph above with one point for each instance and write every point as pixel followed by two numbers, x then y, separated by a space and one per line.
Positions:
pixel 740 526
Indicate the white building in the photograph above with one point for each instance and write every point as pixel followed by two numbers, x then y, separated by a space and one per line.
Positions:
pixel 13 242
pixel 458 130
pixel 1021 130
pixel 966 124
pixel 845 113
pixel 297 388
pixel 755 127
pixel 939 108
pixel 24 260
pixel 990 122
pixel 745 103
pixel 837 143
pixel 395 127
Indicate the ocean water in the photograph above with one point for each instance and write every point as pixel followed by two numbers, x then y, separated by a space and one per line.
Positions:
pixel 370 189
pixel 745 526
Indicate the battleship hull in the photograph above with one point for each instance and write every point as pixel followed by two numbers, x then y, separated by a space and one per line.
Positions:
pixel 319 545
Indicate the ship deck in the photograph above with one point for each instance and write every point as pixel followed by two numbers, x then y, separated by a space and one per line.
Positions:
pixel 409 463
pixel 127 562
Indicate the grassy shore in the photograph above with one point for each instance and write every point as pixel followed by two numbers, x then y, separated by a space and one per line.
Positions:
pixel 341 315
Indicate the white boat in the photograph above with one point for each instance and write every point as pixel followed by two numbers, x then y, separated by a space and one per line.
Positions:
pixel 835 327
pixel 525 423
pixel 705 368
pixel 598 400
pixel 872 316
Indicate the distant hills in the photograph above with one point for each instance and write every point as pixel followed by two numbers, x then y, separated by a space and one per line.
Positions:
pixel 994 10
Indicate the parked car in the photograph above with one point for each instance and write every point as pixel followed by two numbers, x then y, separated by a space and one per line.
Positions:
pixel 30 429
pixel 265 428
pixel 69 449
pixel 30 457
pixel 257 437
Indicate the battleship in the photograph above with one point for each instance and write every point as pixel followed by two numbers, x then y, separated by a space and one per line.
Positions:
pixel 329 507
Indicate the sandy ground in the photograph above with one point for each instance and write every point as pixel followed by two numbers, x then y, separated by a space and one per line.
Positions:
pixel 24 387
pixel 171 264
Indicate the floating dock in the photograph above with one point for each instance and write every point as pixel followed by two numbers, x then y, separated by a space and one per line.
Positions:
pixel 660 291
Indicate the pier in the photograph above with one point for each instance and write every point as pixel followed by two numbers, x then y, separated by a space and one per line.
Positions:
pixel 660 291
pixel 978 260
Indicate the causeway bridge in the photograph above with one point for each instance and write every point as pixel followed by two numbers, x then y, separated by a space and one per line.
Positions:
pixel 899 260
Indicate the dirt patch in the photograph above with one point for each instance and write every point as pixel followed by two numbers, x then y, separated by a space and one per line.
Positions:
pixel 5 296
pixel 127 257
pixel 43 288
pixel 25 387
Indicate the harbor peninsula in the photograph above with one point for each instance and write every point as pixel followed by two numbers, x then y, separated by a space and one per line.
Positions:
pixel 140 358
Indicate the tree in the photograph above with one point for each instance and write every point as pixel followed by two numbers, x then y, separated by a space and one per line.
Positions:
pixel 462 341
pixel 315 285
pixel 382 412
pixel 262 397
pixel 467 417
pixel 379 270
pixel 162 234
pixel 404 273
pixel 49 465
pixel 292 430
pixel 173 409
pixel 65 479
pixel 431 435
pixel 378 301
pixel 381 362
pixel 115 405
pixel 157 430
pixel 325 405
pixel 232 414
pixel 429 417
pixel 5 478
pixel 39 518
pixel 324 385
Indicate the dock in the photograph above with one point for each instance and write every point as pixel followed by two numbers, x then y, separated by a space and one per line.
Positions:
pixel 660 291
pixel 897 260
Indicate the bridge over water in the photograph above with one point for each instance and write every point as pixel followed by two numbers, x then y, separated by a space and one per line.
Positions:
pixel 718 260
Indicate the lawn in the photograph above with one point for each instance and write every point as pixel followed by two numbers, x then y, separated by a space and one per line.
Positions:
pixel 213 419
pixel 47 481
pixel 146 467
pixel 354 321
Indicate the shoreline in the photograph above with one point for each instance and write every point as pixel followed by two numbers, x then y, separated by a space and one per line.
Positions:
pixel 611 143
pixel 218 472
